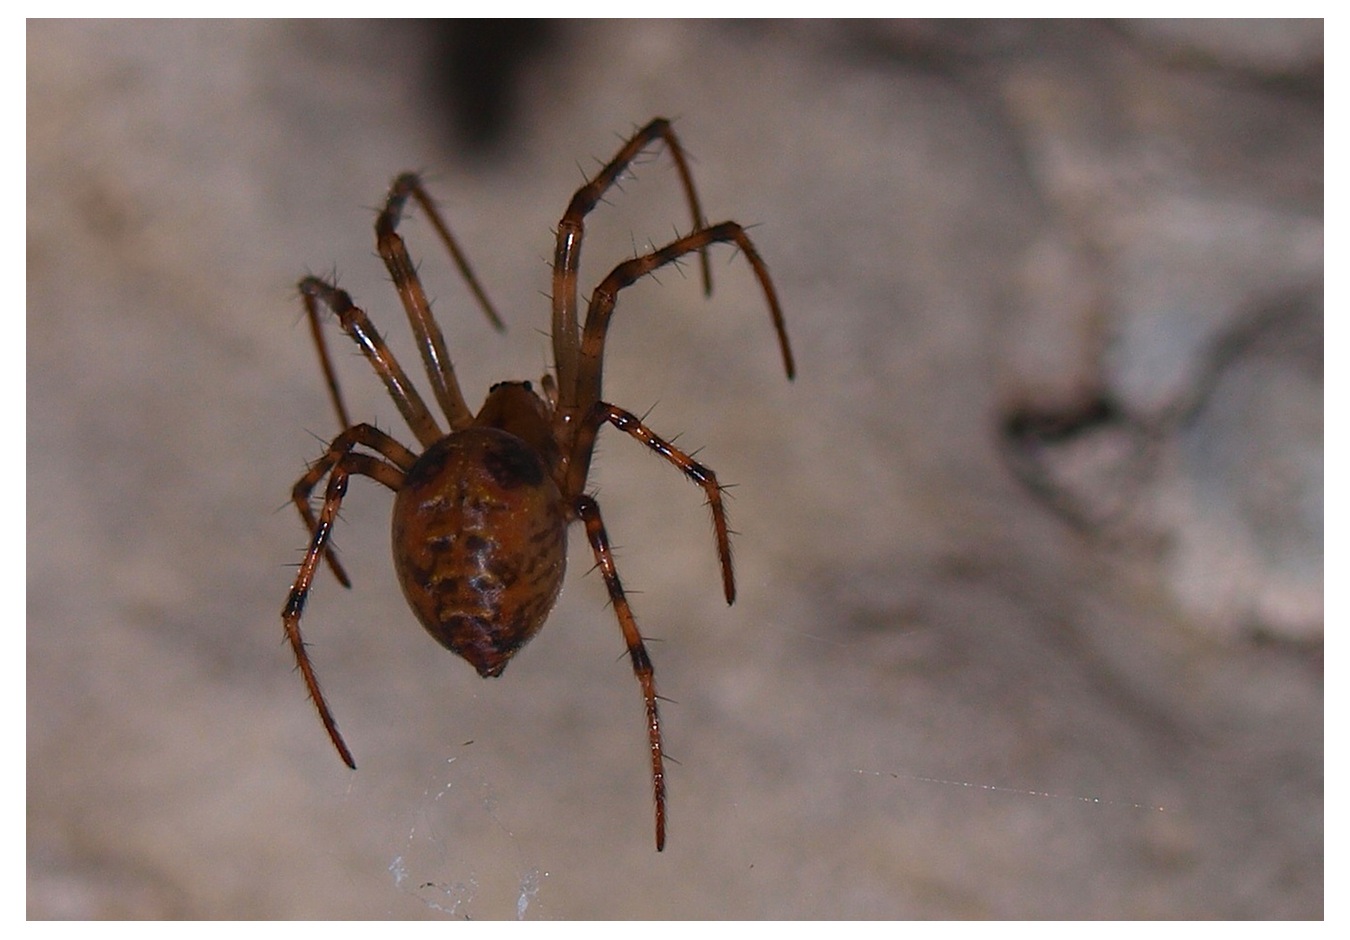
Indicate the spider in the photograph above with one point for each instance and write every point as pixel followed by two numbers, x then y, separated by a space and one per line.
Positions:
pixel 481 515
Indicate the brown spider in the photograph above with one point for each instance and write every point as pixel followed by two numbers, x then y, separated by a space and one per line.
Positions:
pixel 481 516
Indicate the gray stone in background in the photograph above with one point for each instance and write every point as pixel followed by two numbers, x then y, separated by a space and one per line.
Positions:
pixel 1030 561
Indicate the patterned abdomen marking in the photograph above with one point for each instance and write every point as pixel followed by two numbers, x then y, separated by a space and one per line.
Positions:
pixel 480 544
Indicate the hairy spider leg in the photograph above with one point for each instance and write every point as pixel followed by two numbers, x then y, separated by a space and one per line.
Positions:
pixel 410 184
pixel 590 377
pixel 357 434
pixel 632 425
pixel 358 326
pixel 567 254
pixel 589 513
pixel 339 462
pixel 403 272
pixel 325 362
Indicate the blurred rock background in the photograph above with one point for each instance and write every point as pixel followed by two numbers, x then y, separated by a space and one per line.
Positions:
pixel 1030 555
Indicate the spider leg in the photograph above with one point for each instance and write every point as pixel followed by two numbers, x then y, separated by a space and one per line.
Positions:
pixel 589 378
pixel 567 254
pixel 404 274
pixel 325 363
pixel 632 425
pixel 589 513
pixel 410 184
pixel 371 437
pixel 339 462
pixel 358 326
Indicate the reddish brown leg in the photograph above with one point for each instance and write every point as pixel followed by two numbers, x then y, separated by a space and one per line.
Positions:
pixel 410 184
pixel 567 254
pixel 589 377
pixel 589 513
pixel 404 274
pixel 358 326
pixel 339 463
pixel 340 449
pixel 630 424
pixel 325 363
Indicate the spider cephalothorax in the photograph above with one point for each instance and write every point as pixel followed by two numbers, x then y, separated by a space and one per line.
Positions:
pixel 481 515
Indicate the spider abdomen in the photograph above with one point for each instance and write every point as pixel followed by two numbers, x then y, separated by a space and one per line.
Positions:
pixel 480 544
